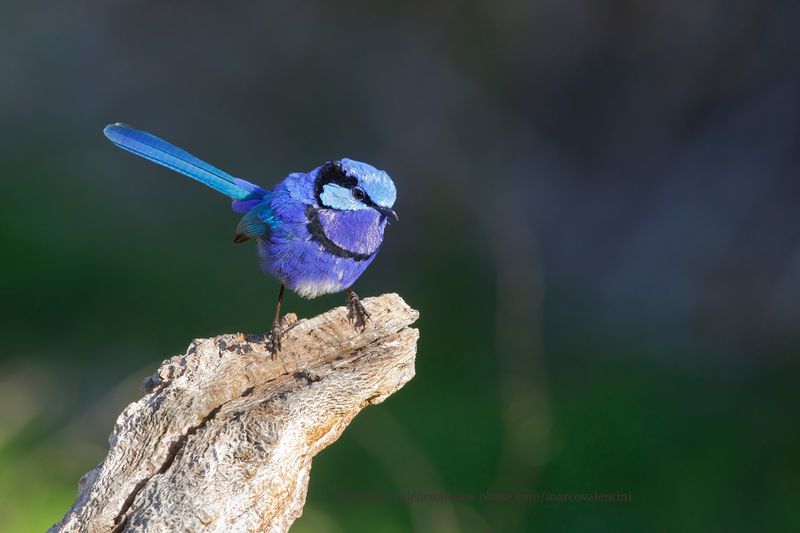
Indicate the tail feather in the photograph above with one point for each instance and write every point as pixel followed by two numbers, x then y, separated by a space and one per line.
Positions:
pixel 160 151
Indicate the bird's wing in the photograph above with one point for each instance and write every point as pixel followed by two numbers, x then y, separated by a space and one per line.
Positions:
pixel 256 223
pixel 160 151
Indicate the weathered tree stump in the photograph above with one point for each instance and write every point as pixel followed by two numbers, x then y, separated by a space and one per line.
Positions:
pixel 224 436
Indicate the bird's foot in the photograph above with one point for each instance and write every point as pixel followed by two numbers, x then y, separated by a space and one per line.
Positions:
pixel 356 313
pixel 274 337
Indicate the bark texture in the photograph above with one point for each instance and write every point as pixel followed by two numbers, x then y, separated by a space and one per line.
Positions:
pixel 224 436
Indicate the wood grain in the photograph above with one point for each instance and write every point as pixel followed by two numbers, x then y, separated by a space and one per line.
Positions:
pixel 223 438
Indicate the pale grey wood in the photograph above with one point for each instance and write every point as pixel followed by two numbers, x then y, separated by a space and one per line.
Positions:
pixel 223 438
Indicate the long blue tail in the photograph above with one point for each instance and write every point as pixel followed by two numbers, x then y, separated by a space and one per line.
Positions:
pixel 160 151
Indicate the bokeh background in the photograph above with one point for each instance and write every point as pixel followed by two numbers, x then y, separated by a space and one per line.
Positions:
pixel 598 209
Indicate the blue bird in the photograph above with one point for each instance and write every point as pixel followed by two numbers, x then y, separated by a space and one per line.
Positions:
pixel 316 231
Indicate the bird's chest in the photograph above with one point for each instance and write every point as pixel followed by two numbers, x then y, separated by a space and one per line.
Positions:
pixel 321 251
pixel 354 234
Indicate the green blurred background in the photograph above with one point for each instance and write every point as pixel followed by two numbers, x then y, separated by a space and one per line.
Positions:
pixel 598 209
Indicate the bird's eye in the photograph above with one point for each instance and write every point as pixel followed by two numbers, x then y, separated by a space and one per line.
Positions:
pixel 359 194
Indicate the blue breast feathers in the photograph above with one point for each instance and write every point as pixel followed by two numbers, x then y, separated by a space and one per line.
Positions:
pixel 353 234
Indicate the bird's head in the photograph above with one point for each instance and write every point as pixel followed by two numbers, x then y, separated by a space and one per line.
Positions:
pixel 347 185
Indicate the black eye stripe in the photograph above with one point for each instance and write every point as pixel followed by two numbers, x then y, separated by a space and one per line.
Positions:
pixel 332 172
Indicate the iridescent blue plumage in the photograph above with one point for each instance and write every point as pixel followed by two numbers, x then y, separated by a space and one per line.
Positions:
pixel 317 231
pixel 159 151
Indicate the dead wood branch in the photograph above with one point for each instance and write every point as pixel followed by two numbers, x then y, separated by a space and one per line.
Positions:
pixel 224 436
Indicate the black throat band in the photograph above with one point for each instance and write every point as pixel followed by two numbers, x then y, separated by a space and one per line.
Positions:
pixel 314 226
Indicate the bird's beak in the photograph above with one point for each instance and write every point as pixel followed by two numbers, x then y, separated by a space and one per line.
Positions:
pixel 387 212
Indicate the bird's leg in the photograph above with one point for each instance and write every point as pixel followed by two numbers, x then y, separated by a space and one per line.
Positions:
pixel 356 312
pixel 276 332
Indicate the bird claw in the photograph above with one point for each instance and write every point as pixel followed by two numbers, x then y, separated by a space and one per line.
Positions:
pixel 274 337
pixel 356 312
